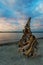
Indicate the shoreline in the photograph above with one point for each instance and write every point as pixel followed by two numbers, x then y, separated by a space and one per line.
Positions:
pixel 12 43
pixel 8 43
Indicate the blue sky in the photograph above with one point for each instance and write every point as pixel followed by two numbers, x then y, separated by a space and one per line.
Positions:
pixel 14 14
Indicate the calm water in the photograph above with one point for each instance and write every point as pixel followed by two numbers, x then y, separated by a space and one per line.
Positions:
pixel 12 37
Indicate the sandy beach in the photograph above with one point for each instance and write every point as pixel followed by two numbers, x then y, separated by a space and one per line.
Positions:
pixel 9 55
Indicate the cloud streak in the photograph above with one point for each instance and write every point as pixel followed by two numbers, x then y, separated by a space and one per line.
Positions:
pixel 7 25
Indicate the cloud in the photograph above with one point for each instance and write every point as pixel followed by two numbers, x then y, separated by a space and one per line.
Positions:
pixel 6 8
pixel 11 24
pixel 9 3
pixel 11 7
pixel 37 23
pixel 6 26
pixel 19 24
pixel 39 7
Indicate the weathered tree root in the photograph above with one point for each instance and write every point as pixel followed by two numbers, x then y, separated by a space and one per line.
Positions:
pixel 28 47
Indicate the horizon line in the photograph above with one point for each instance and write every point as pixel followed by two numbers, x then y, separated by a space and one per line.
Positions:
pixel 19 31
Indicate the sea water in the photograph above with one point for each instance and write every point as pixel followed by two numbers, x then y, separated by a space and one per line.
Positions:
pixel 12 37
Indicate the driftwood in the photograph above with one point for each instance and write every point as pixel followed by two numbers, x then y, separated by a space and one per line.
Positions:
pixel 28 43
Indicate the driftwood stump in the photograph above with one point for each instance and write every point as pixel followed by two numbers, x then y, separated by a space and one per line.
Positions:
pixel 28 43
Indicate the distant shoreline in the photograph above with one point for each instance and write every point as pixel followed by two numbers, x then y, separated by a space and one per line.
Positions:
pixel 19 31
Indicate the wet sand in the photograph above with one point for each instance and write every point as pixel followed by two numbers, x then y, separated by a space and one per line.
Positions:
pixel 9 55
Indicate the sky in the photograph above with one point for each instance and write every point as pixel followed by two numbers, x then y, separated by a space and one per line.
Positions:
pixel 15 13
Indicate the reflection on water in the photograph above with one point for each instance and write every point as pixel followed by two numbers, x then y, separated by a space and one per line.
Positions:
pixel 9 37
pixel 12 37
